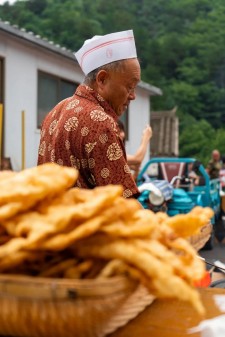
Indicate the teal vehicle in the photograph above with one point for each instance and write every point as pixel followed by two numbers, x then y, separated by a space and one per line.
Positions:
pixel 168 184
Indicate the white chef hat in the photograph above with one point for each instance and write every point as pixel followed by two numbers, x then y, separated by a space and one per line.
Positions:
pixel 101 50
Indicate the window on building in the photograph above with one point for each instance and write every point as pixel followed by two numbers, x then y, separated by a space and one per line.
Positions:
pixel 51 90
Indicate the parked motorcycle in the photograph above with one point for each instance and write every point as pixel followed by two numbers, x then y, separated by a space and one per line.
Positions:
pixel 155 195
pixel 164 196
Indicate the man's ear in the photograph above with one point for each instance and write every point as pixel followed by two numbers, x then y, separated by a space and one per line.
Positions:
pixel 101 78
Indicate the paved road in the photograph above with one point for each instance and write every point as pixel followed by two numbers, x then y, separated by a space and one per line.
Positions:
pixel 217 253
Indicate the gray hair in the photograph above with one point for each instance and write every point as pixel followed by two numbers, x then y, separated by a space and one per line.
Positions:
pixel 113 66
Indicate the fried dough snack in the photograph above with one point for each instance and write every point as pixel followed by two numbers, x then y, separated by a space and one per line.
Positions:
pixel 50 229
pixel 186 225
pixel 6 174
pixel 156 269
pixel 23 190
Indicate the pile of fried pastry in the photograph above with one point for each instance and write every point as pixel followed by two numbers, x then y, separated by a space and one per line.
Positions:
pixel 48 228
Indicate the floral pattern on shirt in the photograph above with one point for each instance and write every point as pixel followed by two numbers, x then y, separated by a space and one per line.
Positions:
pixel 83 133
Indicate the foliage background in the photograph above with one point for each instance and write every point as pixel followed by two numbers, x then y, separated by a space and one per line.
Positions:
pixel 181 45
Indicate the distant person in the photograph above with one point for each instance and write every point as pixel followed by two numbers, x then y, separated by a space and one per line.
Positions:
pixel 214 165
pixel 81 131
pixel 135 160
pixel 222 174
pixel 192 173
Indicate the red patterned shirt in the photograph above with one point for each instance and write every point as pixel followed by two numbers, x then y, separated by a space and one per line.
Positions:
pixel 82 132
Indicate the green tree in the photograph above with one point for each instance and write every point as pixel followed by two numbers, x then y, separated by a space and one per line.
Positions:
pixel 194 139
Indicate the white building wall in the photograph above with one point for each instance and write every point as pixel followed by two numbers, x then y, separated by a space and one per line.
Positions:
pixel 139 117
pixel 21 79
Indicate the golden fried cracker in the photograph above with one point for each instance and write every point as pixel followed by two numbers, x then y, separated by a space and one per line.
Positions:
pixel 207 212
pixel 186 225
pixel 120 229
pixel 23 190
pixel 64 240
pixel 78 270
pixel 162 279
pixel 6 174
pixel 36 227
pixel 58 269
pixel 185 264
pixel 111 268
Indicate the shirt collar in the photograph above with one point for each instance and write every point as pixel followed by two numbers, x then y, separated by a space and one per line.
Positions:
pixel 87 92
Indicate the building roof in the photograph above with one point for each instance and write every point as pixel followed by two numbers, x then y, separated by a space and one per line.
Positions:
pixel 30 37
pixel 165 127
pixel 154 91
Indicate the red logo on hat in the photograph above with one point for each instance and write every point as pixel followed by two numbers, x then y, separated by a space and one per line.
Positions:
pixel 109 53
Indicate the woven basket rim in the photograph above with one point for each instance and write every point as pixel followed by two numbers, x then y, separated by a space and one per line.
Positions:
pixel 28 287
pixel 199 240
pixel 89 317
pixel 63 281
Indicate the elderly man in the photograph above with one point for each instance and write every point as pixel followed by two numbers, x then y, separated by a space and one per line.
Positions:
pixel 214 165
pixel 82 131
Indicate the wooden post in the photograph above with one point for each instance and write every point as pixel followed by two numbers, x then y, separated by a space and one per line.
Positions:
pixel 23 140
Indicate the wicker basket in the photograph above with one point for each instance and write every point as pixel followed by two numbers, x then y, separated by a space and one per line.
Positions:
pixel 36 307
pixel 199 240
pixel 44 307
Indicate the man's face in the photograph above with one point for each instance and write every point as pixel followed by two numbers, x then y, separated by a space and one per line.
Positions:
pixel 216 155
pixel 119 87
